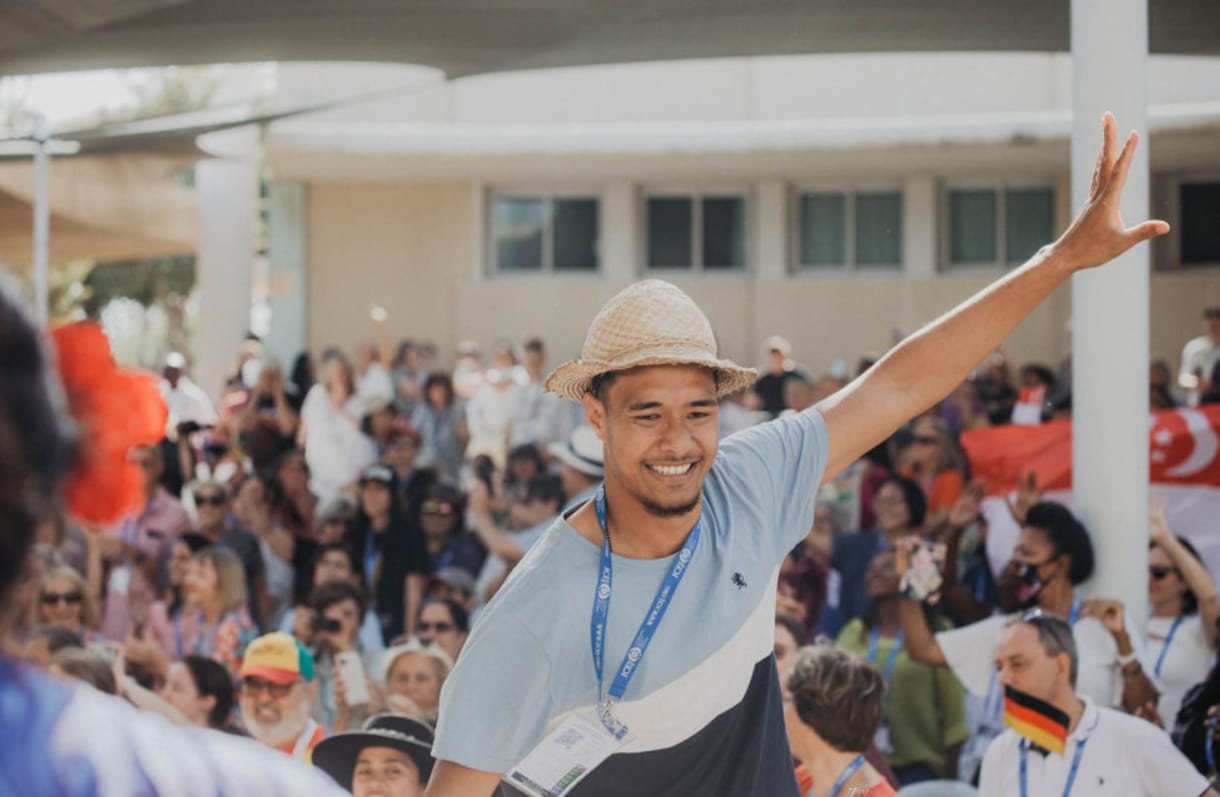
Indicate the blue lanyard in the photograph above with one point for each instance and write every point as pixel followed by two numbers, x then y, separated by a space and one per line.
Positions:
pixel 1173 629
pixel 1075 613
pixel 1067 787
pixel 601 616
pixel 846 774
pixel 370 556
pixel 891 659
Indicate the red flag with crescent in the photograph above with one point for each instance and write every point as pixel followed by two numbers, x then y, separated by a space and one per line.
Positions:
pixel 1183 448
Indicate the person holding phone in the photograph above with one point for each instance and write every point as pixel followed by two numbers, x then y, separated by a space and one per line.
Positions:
pixel 343 663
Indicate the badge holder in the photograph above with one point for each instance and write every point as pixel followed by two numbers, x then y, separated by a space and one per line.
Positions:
pixel 565 756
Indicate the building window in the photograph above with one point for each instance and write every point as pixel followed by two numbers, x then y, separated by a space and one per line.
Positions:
pixel 997 224
pixel 544 233
pixel 1199 223
pixel 849 229
pixel 705 232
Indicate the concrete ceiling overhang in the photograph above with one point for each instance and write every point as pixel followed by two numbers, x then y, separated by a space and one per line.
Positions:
pixel 464 37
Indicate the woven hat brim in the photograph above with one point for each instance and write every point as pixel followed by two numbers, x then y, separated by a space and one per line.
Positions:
pixel 573 379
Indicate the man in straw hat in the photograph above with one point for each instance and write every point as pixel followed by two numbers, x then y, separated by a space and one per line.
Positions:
pixel 667 685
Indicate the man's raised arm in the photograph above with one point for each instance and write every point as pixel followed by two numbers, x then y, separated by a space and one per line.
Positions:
pixel 926 367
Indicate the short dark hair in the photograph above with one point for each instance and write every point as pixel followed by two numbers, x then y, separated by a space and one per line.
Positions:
pixel 535 345
pixel 459 616
pixel 328 594
pixel 439 379
pixel 341 547
pixel 1055 636
pixel 37 441
pixel 839 695
pixel 600 384
pixel 58 638
pixel 1212 312
pixel 912 495
pixel 544 487
pixel 212 680
pixel 1066 534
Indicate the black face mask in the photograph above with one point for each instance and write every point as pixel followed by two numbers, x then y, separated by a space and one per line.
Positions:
pixel 1030 584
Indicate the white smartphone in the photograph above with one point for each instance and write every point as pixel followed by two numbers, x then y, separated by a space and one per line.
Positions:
pixel 349 665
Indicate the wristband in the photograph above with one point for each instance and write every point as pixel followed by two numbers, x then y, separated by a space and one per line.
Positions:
pixel 1123 661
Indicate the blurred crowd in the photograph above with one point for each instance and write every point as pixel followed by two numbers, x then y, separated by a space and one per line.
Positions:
pixel 317 541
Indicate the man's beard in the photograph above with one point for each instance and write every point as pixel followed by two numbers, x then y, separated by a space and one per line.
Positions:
pixel 672 510
pixel 280 733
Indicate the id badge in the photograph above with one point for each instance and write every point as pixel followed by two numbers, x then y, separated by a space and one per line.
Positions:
pixel 564 757
pixel 882 739
pixel 120 580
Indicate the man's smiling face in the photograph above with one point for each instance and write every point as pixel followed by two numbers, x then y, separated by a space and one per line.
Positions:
pixel 660 428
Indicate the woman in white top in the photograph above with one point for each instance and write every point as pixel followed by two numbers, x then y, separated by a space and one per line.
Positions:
pixel 1185 609
pixel 335 448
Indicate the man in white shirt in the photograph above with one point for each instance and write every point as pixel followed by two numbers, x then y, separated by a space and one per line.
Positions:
pixel 1107 752
pixel 1200 357
pixel 185 400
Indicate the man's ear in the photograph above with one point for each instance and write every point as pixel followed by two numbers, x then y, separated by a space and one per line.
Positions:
pixel 595 414
pixel 1063 667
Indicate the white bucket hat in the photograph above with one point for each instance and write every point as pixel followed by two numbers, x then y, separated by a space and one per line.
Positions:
pixel 648 323
pixel 583 451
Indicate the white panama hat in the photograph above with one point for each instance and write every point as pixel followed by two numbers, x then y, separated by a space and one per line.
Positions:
pixel 651 322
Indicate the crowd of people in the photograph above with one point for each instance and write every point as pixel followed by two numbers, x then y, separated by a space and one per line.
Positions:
pixel 314 548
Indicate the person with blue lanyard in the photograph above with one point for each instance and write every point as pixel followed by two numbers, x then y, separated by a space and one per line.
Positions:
pixel 832 710
pixel 924 724
pixel 1052 558
pixel 1106 752
pixel 631 651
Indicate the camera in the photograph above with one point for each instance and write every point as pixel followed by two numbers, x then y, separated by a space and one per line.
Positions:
pixel 326 624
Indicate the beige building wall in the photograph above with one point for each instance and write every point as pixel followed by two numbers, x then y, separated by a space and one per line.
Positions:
pixel 416 249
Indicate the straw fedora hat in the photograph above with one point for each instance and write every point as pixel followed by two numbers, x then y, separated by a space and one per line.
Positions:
pixel 648 323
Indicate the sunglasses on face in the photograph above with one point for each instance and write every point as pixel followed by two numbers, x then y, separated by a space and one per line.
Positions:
pixel 253 686
pixel 209 500
pixel 438 628
pixel 1158 573
pixel 436 508
pixel 52 598
pixel 925 441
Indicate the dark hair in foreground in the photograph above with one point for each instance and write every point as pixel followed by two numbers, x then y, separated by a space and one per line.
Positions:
pixel 839 695
pixel 36 436
pixel 1067 534
pixel 212 680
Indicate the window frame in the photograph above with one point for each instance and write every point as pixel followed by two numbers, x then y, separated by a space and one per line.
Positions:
pixel 696 194
pixel 1170 251
pixel 548 195
pixel 850 190
pixel 1001 186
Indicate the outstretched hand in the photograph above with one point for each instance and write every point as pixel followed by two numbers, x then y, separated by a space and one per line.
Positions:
pixel 1098 234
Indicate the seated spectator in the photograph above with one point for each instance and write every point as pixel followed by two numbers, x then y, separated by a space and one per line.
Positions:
pixel 202 690
pixel 268 422
pixel 899 505
pixel 401 454
pixel 338 608
pixel 257 509
pixel 1053 555
pixel 445 624
pixel 832 711
pixel 936 462
pixel 217 624
pixel 334 519
pixel 212 511
pixel 64 600
pixel 524 463
pixel 276 695
pixel 448 543
pixel 391 552
pixel 1106 751
pixel 804 575
pixel 1185 609
pixel 442 428
pixel 454 584
pixel 924 722
pixel 413 675
pixel 333 562
pixel 391 757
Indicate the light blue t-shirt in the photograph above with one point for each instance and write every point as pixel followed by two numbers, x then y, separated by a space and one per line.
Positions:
pixel 707 682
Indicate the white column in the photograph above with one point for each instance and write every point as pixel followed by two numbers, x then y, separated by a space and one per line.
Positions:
pixel 920 235
pixel 227 191
pixel 286 255
pixel 771 224
pixel 1110 308
pixel 619 231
